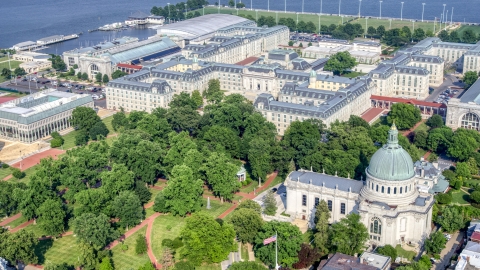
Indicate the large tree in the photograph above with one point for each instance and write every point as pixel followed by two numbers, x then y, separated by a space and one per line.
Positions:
pixel 128 208
pixel 222 175
pixel 19 246
pixel 250 204
pixel 340 62
pixel 463 143
pixel 259 157
pixel 246 222
pixel 206 239
pixel 435 243
pixel 51 217
pixel 94 229
pixel 349 235
pixel 289 238
pixel 220 138
pixel 84 118
pixel 322 217
pixel 452 219
pixel 404 115
pixel 99 130
pixel 117 180
pixel 389 251
pixel 469 78
pixel 184 193
pixel 180 144
pixel 213 94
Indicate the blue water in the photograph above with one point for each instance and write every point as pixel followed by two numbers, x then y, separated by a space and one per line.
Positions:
pixel 23 20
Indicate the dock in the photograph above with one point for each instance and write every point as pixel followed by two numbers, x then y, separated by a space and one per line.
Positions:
pixel 43 42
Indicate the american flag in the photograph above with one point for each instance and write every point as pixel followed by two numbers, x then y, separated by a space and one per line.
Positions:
pixel 269 240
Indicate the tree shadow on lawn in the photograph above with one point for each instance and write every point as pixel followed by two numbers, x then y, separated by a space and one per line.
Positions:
pixel 42 247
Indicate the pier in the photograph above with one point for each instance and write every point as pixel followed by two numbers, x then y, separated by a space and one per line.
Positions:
pixel 43 42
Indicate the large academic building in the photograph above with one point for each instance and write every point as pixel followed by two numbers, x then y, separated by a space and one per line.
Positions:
pixel 464 112
pixel 30 118
pixel 394 202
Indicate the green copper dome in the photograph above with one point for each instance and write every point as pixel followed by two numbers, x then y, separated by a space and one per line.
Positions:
pixel 391 162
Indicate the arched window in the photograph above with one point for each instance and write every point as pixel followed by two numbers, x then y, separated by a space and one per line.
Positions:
pixel 388 190
pixel 470 121
pixel 94 67
pixel 394 190
pixel 377 188
pixel 383 189
pixel 401 190
pixel 406 189
pixel 375 226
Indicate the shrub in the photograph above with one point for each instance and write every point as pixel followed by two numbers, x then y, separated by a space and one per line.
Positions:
pixel 141 245
pixel 124 247
pixel 184 265
pixel 5 165
pixel 57 142
pixel 55 135
pixel 177 243
pixel 159 205
pixel 169 227
pixel 167 243
pixel 444 198
pixel 17 173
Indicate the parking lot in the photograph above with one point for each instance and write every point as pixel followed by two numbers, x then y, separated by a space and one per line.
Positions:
pixel 307 37
pixel 33 84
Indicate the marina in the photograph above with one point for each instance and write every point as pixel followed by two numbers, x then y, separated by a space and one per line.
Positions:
pixel 43 42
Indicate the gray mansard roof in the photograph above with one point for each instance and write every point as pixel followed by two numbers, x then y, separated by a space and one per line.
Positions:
pixel 411 70
pixel 300 64
pixel 472 94
pixel 292 89
pixel 427 58
pixel 383 71
pixel 328 181
pixel 162 86
pixel 340 99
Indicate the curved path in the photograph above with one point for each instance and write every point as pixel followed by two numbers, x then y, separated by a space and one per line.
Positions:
pixel 10 219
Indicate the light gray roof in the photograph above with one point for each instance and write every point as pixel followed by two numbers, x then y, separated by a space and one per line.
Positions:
pixel 329 181
pixel 411 70
pixel 140 49
pixel 368 43
pixel 50 38
pixel 464 46
pixel 472 94
pixel 333 40
pixel 201 26
pixel 427 58
pixel 25 44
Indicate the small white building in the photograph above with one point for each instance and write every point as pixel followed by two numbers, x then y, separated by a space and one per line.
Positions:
pixel 26 45
pixel 50 40
pixel 470 257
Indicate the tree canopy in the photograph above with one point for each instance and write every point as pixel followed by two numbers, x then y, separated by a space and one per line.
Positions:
pixel 340 62
pixel 349 235
pixel 404 115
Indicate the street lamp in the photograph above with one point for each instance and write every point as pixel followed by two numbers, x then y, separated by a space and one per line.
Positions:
pixel 218 6
pixel 390 24
pixel 443 13
pixel 297 17
pixel 251 5
pixel 303 1
pixel 276 17
pixel 203 7
pixel 285 6
pixel 256 14
pixel 319 17
pixel 168 4
pixel 380 10
pixel 268 5
pixel 446 21
pixel 423 10
pixel 451 17
pixel 185 11
pixel 401 13
pixel 366 26
pixel 359 5
pixel 339 3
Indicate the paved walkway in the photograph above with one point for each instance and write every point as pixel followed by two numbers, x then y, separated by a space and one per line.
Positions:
pixel 250 195
pixel 449 250
pixel 407 132
pixel 131 231
pixel 10 219
pixel 61 235
pixel 35 159
pixel 148 235
pixel 21 226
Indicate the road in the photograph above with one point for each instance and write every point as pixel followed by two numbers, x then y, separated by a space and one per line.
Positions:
pixel 449 80
pixel 33 87
pixel 453 245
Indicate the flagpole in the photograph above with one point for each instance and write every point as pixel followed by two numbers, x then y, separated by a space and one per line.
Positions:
pixel 276 251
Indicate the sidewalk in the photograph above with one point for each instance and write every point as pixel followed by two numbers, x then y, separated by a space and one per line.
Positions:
pixel 10 219
pixel 449 250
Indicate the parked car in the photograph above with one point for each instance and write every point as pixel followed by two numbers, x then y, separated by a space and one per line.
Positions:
pixel 274 189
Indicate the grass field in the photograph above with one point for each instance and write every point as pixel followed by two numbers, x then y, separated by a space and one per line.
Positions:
pixel 216 209
pixel 325 19
pixel 128 259
pixel 460 197
pixel 70 137
pixel 160 232
pixel 35 229
pixel 13 64
pixel 404 253
pixel 62 250
pixel 474 28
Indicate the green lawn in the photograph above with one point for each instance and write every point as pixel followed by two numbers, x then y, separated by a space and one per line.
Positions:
pixel 17 222
pixel 108 122
pixel 29 172
pixel 474 28
pixel 5 58
pixel 154 194
pixel 275 182
pixel 460 197
pixel 35 229
pixel 70 137
pixel 423 127
pixel 13 64
pixel 215 266
pixel 409 255
pixel 244 252
pixel 160 232
pixel 217 208
pixel 5 172
pixel 129 260
pixel 325 19
pixel 250 187
pixel 149 212
pixel 353 74
pixel 62 250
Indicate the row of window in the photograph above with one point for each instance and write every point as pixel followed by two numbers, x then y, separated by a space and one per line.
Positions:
pixel 388 189
pixel 329 203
